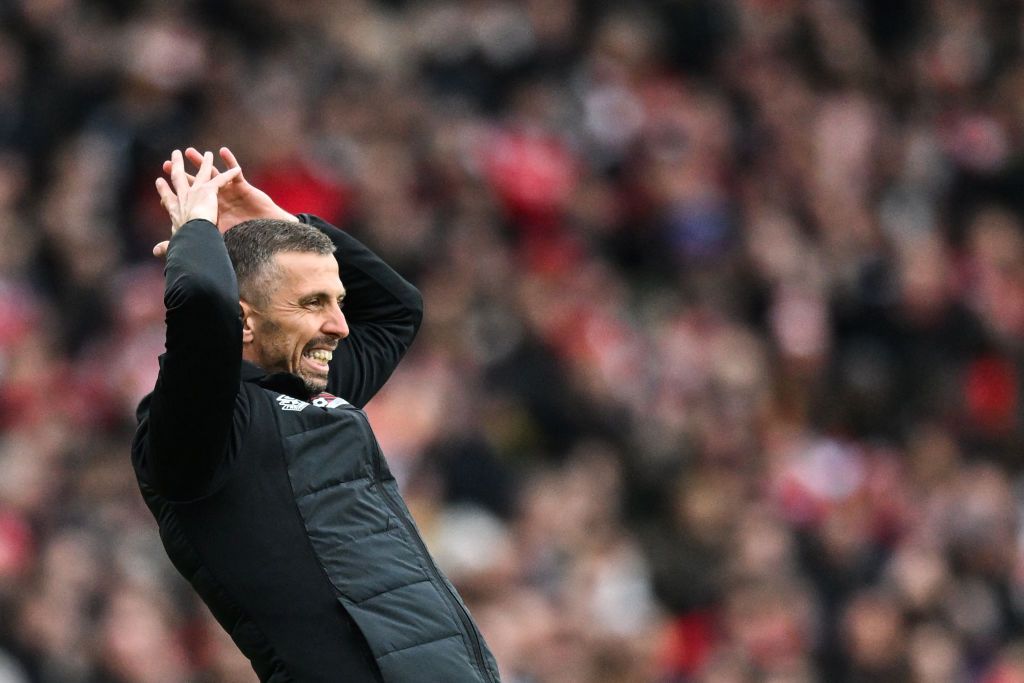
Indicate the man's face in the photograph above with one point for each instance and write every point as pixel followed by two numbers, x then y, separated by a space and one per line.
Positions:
pixel 301 323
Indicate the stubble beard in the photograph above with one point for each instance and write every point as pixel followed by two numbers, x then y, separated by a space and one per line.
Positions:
pixel 314 385
pixel 277 356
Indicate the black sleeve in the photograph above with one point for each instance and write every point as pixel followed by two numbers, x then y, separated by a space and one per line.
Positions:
pixel 383 313
pixel 190 412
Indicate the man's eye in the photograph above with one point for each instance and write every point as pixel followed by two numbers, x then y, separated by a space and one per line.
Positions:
pixel 341 303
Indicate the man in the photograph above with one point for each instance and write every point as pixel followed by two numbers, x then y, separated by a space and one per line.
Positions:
pixel 254 455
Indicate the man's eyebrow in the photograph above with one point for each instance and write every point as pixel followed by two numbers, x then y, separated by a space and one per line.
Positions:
pixel 323 295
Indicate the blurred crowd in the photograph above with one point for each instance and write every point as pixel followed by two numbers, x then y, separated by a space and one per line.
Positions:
pixel 722 373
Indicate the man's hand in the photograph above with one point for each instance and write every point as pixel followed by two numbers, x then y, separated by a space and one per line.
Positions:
pixel 237 200
pixel 192 197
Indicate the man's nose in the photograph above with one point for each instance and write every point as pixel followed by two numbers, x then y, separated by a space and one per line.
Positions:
pixel 335 324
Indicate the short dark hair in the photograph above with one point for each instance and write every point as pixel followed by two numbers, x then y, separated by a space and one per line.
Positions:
pixel 252 245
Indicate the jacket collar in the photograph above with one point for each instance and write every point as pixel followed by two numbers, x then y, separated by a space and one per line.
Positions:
pixel 284 382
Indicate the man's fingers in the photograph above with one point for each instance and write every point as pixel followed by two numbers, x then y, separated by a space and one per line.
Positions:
pixel 225 177
pixel 160 249
pixel 229 158
pixel 193 155
pixel 203 174
pixel 178 176
pixel 191 178
pixel 166 194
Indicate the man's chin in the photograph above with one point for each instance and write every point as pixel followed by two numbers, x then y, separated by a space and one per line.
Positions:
pixel 314 385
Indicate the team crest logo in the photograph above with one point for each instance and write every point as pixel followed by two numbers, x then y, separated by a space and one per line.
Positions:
pixel 326 400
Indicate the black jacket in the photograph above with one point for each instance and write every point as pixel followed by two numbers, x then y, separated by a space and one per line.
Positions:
pixel 282 514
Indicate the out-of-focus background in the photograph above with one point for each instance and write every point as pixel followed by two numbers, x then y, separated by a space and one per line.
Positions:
pixel 721 375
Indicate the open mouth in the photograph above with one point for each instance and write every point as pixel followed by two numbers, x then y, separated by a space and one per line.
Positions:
pixel 318 359
pixel 321 355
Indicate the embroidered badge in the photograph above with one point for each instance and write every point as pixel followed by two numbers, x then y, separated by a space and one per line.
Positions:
pixel 325 400
pixel 289 403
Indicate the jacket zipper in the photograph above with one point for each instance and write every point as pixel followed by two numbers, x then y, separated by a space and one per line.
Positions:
pixel 467 624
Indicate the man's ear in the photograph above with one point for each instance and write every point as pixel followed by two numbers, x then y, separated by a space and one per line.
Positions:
pixel 246 311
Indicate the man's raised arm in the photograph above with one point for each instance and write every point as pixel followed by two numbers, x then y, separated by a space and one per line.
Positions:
pixel 383 310
pixel 191 408
pixel 383 313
